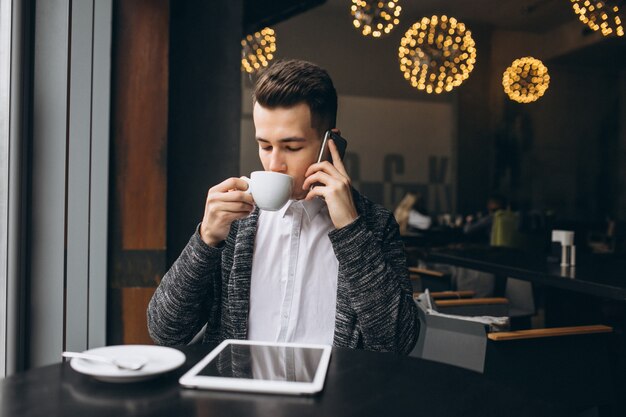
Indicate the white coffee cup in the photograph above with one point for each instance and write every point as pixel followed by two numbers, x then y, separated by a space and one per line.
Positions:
pixel 270 190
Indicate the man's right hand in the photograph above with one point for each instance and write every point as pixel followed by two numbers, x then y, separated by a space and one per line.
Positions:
pixel 225 203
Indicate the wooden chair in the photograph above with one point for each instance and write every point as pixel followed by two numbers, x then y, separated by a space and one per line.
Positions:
pixel 448 295
pixel 569 364
pixel 439 282
pixel 441 336
pixel 463 303
pixel 435 281
pixel 489 306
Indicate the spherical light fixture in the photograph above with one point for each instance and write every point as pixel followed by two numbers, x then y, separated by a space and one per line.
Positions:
pixel 603 15
pixel 526 80
pixel 374 17
pixel 437 54
pixel 257 50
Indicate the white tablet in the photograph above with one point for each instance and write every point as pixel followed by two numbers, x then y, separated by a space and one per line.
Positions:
pixel 244 365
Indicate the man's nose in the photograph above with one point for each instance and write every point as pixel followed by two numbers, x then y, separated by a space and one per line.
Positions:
pixel 277 162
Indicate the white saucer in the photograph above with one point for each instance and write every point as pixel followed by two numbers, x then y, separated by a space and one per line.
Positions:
pixel 160 360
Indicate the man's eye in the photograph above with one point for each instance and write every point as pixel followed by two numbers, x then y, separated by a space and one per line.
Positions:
pixel 266 148
pixel 289 148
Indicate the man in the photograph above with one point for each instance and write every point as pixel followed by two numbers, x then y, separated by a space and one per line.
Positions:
pixel 329 267
pixel 481 228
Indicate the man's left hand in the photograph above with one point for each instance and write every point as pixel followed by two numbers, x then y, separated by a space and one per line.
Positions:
pixel 332 183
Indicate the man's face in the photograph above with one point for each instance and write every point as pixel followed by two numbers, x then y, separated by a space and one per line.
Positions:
pixel 287 142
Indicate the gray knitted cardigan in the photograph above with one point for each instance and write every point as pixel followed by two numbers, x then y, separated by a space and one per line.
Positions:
pixel 375 308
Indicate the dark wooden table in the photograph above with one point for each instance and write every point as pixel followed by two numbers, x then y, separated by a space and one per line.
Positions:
pixel 358 383
pixel 597 275
pixel 437 236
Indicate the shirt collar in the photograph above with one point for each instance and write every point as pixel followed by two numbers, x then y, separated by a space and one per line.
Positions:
pixel 311 207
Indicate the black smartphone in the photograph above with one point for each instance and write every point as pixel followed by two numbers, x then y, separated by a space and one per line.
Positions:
pixel 341 143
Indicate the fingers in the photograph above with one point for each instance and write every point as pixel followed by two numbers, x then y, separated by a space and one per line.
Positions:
pixel 229 197
pixel 219 213
pixel 230 184
pixel 315 192
pixel 216 200
pixel 327 168
pixel 324 166
pixel 318 177
pixel 218 217
pixel 232 195
pixel 336 193
pixel 337 162
pixel 330 185
pixel 222 208
pixel 232 189
pixel 336 168
pixel 225 203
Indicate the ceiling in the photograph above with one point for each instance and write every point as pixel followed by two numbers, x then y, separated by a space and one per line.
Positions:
pixel 536 16
pixel 609 54
pixel 258 14
pixel 525 15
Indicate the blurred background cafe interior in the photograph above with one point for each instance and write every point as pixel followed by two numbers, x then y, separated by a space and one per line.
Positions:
pixel 495 130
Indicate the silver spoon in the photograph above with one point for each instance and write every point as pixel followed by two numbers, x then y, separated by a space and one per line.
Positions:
pixel 131 363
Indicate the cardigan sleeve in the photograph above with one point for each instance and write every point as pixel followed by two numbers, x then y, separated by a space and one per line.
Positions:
pixel 375 273
pixel 181 303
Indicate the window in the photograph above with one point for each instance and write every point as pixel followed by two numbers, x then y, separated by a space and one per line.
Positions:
pixel 10 180
pixel 55 73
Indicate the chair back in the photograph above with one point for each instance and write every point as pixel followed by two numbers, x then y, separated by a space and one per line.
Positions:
pixel 456 342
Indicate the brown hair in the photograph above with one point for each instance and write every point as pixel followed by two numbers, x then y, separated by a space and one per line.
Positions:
pixel 290 82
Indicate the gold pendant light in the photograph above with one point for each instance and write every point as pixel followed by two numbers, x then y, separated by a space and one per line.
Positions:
pixel 437 54
pixel 603 15
pixel 374 17
pixel 257 50
pixel 526 80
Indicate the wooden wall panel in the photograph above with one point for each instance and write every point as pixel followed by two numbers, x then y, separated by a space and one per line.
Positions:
pixel 134 304
pixel 188 122
pixel 140 120
pixel 139 164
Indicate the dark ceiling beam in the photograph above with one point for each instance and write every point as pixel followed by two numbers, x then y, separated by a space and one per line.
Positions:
pixel 258 14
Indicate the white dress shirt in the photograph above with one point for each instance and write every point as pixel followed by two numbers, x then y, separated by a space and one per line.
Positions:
pixel 293 291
